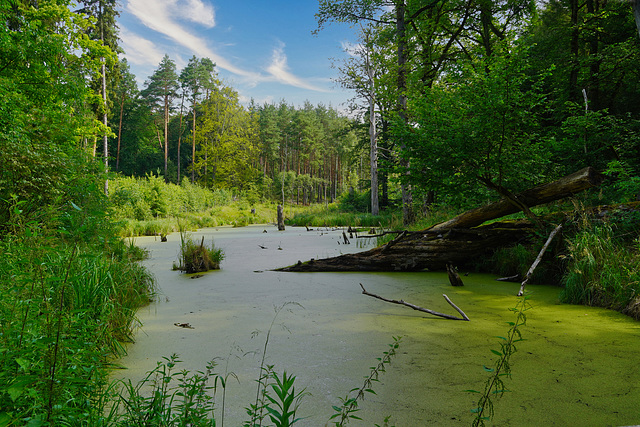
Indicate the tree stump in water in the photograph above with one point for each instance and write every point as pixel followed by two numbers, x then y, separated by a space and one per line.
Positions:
pixel 280 218
pixel 454 277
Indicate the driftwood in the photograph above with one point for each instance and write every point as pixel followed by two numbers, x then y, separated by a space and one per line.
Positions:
pixel 538 259
pixel 514 278
pixel 418 308
pixel 461 239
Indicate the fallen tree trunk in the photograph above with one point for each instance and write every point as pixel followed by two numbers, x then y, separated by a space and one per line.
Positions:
pixel 459 240
pixel 564 187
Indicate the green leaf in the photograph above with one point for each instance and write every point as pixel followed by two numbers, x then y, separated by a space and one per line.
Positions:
pixel 496 352
pixel 486 368
pixel 5 419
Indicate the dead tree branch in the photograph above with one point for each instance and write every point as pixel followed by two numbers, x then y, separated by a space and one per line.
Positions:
pixel 418 308
pixel 538 259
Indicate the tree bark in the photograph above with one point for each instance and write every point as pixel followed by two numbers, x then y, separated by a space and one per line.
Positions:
pixel 564 187
pixel 280 218
pixel 636 13
pixel 460 240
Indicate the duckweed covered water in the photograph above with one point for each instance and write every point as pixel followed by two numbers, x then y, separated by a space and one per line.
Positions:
pixel 577 366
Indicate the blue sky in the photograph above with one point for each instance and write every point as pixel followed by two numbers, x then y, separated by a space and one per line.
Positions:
pixel 262 48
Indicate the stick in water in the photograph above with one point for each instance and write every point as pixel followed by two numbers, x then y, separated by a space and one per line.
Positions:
pixel 415 307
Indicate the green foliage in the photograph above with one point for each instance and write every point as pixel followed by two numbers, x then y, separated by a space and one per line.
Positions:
pixel 602 270
pixel 494 386
pixel 166 397
pixel 66 308
pixel 472 128
pixel 284 406
pixel 512 260
pixel 147 198
pixel 355 202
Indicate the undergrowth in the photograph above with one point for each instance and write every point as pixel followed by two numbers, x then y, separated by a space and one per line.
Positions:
pixel 69 292
pixel 603 269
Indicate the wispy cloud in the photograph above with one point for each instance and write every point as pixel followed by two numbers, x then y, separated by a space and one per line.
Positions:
pixel 173 19
pixel 279 71
pixel 138 49
pixel 160 16
pixel 198 12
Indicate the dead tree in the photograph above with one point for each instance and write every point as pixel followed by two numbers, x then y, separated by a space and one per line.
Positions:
pixel 459 240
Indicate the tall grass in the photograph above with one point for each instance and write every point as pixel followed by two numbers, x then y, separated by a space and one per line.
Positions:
pixel 68 298
pixel 602 270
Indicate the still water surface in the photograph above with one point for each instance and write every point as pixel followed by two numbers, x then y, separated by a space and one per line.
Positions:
pixel 578 366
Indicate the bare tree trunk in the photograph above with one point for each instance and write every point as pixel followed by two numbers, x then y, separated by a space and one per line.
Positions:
pixel 280 218
pixel 180 136
pixel 373 136
pixel 166 137
pixel 407 197
pixel 120 130
pixel 104 114
pixel 636 13
pixel 193 147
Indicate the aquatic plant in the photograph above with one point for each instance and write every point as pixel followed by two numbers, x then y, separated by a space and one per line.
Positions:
pixel 196 258
pixel 166 397
pixel 494 386
pixel 349 404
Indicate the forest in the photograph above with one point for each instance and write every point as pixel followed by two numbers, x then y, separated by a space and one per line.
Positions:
pixel 456 104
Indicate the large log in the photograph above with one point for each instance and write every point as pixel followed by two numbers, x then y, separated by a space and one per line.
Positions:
pixel 460 240
pixel 546 193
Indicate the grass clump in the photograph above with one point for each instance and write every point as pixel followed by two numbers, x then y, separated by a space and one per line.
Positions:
pixel 197 258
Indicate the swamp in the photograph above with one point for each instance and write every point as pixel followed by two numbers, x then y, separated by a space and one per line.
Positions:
pixel 576 365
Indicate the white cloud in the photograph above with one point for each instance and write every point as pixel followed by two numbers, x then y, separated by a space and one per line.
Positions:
pixel 139 50
pixel 166 17
pixel 159 15
pixel 198 12
pixel 279 70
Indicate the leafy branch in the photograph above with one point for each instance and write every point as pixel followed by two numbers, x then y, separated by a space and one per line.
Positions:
pixel 494 385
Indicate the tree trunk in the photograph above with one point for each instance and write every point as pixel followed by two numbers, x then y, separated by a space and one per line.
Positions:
pixel 193 147
pixel 564 187
pixel 120 131
pixel 280 218
pixel 401 35
pixel 166 137
pixel 460 240
pixel 636 13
